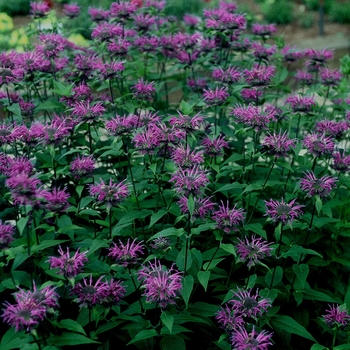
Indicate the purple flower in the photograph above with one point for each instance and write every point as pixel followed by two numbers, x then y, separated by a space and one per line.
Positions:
pixel 19 165
pixel 191 21
pixel 241 340
pixel 146 141
pixel 98 14
pixel 39 9
pixel 228 219
pixel 106 32
pixel 282 211
pixel 6 235
pixel 337 316
pixel 86 112
pixel 143 90
pixel 110 70
pixel 259 75
pixel 263 30
pixel 187 122
pixel 10 75
pixel 318 144
pixel 114 292
pixel 332 128
pixel 89 293
pixel 122 125
pixel 291 54
pixel 144 22
pixel 27 108
pixel 278 145
pixel 320 56
pixel 261 52
pixel 161 243
pixel 6 136
pixel 341 162
pixel 215 147
pixel 197 85
pixel 161 285
pixel 71 10
pixel 184 158
pixel 229 75
pixel 330 77
pixel 215 97
pixel 248 305
pixel 202 206
pixel 69 265
pixel 314 186
pixel 128 253
pixel 300 103
pixel 242 46
pixel 51 45
pixel 222 20
pixel 253 250
pixel 111 194
pixel 147 44
pixel 119 48
pixel 82 167
pixel 57 201
pixel 189 180
pixel 228 319
pixel 251 95
pixel 123 10
pixel 253 117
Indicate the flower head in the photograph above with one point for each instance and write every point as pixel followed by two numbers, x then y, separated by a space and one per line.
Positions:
pixel 229 75
pixel 241 340
pixel 71 10
pixel 161 243
pixel 314 186
pixel 262 52
pixel 263 30
pixel 330 77
pixel 187 122
pixel 215 147
pixel 228 319
pixel 300 103
pixel 39 9
pixel 291 54
pixel 282 211
pixel 57 200
pixel 98 14
pixel 202 206
pixel 161 285
pixel 69 265
pixel 143 90
pixel 259 75
pixel 185 158
pixel 304 78
pixel 318 144
pixel 341 162
pixel 227 218
pixel 51 45
pixel 82 167
pixel 6 235
pixel 122 125
pixel 278 145
pixel 86 112
pixel 215 97
pixel 337 316
pixel 114 292
pixel 253 250
pixel 125 254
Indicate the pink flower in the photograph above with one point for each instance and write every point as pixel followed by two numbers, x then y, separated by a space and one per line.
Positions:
pixel 314 186
pixel 318 144
pixel 336 316
pixel 304 78
pixel 278 145
pixel 69 265
pixel 10 75
pixel 227 219
pixel 71 10
pixel 122 125
pixel 82 167
pixel 6 235
pixel 51 45
pixel 106 32
pixel 119 48
pixel 263 53
pixel 241 340
pixel 161 285
pixel 39 9
pixel 147 44
pixel 291 54
pixel 126 254
pixel 282 211
pixel 252 95
pixel 228 319
pixel 214 147
pixel 143 90
pixel 332 128
pixel 300 103
pixel 215 97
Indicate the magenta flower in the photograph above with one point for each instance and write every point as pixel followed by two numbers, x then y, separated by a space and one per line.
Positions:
pixel 337 316
pixel 215 97
pixel 57 201
pixel 253 250
pixel 191 21
pixel 282 211
pixel 111 194
pixel 143 90
pixel 147 44
pixel 10 75
pixel 242 45
pixel 19 165
pixel 27 108
pixel 184 158
pixel 119 48
pixel 187 122
pixel 314 186
pixel 82 167
pixel 332 128
pixel 259 75
pixel 114 292
pixel 6 136
pixel 122 125
pixel 248 305
pixel 278 145
pixel 291 54
pixel 341 162
pixel 228 319
pixel 39 9
pixel 71 10
pixel 330 77
pixel 304 78
pixel 105 32
pixel 69 265
pixel 300 103
pixel 215 147
pixel 6 235
pixel 263 29
pixel 128 253
pixel 89 293
pixel 197 85
pixel 110 70
pixel 251 95
pixel 261 52
pixel 144 22
pixel 320 56
pixel 222 20
pixel 227 219
pixel 123 10
pixel 86 112
pixel 228 76
pixel 51 45
pixel 202 206
pixel 189 180
pixel 98 14
pixel 318 144
pixel 161 285
pixel 241 340
pixel 147 140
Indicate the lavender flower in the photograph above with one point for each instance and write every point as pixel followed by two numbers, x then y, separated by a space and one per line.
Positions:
pixel 215 97
pixel 259 75
pixel 143 90
pixel 332 128
pixel 228 219
pixel 6 235
pixel 320 56
pixel 228 76
pixel 86 112
pixel 300 103
pixel 189 180
pixel 161 243
pixel 263 53
pixel 202 206
pixel 98 14
pixel 278 145
pixel 241 340
pixel 314 186
pixel 161 285
pixel 105 32
pixel 111 194
pixel 282 211
pixel 114 292
pixel 253 250
pixel 57 201
pixel 187 122
pixel 51 45
pixel 215 147
pixel 71 10
pixel 337 316
pixel 318 144
pixel 249 305
pixel 184 158
pixel 228 319
pixel 128 253
pixel 82 167
pixel 264 30
pixel 341 162
pixel 291 54
pixel 251 95
pixel 39 9
pixel 122 125
pixel 69 266
pixel 330 77
pixel 9 76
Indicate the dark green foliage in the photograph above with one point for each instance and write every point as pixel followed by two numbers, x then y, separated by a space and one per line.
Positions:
pixel 340 13
pixel 15 8
pixel 179 8
pixel 280 12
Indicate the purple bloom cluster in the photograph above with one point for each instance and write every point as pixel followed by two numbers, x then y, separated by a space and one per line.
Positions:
pixel 300 103
pixel 337 316
pixel 317 186
pixel 227 219
pixel 6 235
pixel 278 145
pixel 282 211
pixel 126 254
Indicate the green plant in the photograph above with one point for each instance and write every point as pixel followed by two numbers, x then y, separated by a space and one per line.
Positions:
pixel 339 13
pixel 306 20
pixel 18 7
pixel 180 7
pixel 279 12
pixel 314 5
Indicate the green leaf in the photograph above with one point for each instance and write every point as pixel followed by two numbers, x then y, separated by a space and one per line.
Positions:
pixel 168 320
pixel 21 225
pixel 185 107
pixel 212 264
pixel 70 339
pixel 157 216
pixel 318 205
pixel 171 231
pixel 172 342
pixel 190 204
pixel 229 248
pixel 296 250
pixel 79 190
pixel 311 294
pixel 145 334
pixel 129 217
pixel 15 109
pixel 301 271
pixel 289 325
pixel 61 89
pixel 46 244
pixel 19 259
pixel 256 228
pixel 71 326
pixel 203 278
pixel 277 277
pixel 203 309
pixel 49 104
pixel 180 260
pixel 187 287
pixel 229 187
pixel 341 347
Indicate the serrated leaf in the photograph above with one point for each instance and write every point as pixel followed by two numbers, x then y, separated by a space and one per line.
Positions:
pixel 21 225
pixel 229 248
pixel 187 287
pixel 190 204
pixel 71 325
pixel 256 228
pixel 289 325
pixel 203 278
pixel 157 216
pixel 168 320
pixel 318 205
pixel 301 271
pixel 145 334
pixel 70 339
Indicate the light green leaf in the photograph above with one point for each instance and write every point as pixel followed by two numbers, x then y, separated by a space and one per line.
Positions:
pixel 203 278
pixel 318 205
pixel 190 204
pixel 21 225
pixel 157 216
pixel 71 326
pixel 229 248
pixel 168 320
